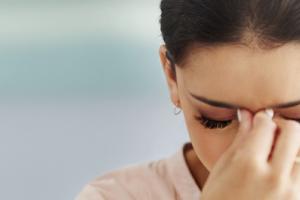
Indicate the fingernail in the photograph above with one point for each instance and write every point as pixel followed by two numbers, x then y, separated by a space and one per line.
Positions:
pixel 239 115
pixel 269 112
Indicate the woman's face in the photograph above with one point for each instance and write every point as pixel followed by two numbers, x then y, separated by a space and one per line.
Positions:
pixel 239 76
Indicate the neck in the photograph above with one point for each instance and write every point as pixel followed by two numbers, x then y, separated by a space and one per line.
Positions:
pixel 197 169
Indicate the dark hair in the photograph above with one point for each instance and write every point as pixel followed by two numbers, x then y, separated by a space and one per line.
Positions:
pixel 213 22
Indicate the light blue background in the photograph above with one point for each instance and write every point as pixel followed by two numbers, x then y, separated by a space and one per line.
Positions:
pixel 82 92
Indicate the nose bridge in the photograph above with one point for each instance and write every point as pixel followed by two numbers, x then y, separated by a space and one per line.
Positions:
pixel 258 110
pixel 253 112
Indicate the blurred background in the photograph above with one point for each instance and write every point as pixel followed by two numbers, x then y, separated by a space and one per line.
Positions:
pixel 82 92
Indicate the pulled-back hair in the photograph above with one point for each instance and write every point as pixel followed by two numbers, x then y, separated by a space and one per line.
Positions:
pixel 270 23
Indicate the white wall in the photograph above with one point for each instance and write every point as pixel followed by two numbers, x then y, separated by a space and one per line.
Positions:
pixel 79 84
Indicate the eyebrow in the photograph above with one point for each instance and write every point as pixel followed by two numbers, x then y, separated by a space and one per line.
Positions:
pixel 235 106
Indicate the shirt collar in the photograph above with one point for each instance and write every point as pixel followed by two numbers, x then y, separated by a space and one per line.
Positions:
pixel 183 179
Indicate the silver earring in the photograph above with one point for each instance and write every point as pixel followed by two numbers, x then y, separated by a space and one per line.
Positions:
pixel 177 110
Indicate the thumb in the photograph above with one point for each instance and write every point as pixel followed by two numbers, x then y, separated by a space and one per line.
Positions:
pixel 245 120
pixel 245 124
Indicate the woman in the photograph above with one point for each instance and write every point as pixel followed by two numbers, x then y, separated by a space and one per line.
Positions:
pixel 233 68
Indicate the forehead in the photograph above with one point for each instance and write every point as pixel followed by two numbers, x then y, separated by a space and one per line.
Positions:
pixel 244 76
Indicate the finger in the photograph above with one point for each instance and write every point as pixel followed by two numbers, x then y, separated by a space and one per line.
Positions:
pixel 245 123
pixel 295 174
pixel 259 141
pixel 286 147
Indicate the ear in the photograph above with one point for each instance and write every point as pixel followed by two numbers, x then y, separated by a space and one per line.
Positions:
pixel 170 76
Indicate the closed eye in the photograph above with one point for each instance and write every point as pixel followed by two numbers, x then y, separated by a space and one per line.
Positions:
pixel 211 123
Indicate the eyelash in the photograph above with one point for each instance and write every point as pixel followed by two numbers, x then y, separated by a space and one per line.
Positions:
pixel 212 124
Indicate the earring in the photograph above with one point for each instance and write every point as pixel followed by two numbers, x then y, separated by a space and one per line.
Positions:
pixel 177 110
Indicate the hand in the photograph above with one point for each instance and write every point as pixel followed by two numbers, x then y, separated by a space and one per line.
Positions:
pixel 249 169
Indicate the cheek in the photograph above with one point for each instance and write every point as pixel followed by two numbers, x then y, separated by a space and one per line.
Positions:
pixel 209 144
pixel 209 147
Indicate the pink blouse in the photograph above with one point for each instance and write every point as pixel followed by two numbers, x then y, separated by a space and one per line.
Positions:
pixel 165 179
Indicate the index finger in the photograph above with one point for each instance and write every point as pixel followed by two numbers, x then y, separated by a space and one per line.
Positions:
pixel 260 138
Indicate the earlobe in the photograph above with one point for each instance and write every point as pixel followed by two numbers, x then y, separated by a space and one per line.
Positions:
pixel 175 97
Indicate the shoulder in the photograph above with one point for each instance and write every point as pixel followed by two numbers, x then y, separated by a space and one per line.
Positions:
pixel 137 181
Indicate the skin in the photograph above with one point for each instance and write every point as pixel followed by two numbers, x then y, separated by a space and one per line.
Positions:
pixel 247 76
